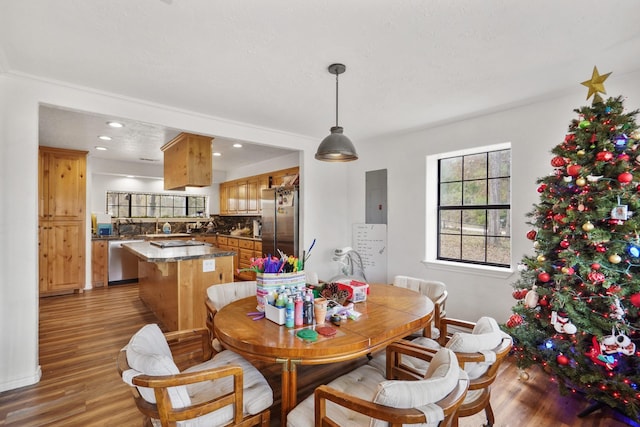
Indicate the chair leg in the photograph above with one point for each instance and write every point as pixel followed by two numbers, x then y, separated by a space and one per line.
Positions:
pixel 490 417
pixel 454 421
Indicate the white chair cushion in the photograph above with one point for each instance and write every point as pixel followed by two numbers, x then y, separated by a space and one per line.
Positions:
pixel 148 353
pixel 379 361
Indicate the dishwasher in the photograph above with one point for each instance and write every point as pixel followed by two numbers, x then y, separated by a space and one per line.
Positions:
pixel 123 265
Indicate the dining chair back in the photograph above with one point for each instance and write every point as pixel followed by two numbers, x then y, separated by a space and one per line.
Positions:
pixel 435 290
pixel 368 397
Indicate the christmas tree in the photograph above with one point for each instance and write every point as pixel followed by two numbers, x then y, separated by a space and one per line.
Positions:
pixel 578 297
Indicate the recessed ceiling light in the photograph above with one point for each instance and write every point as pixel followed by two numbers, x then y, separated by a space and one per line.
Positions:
pixel 237 145
pixel 115 124
pixel 216 154
pixel 101 148
pixel 104 138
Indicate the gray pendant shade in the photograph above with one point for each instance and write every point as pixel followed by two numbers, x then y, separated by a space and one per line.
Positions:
pixel 336 147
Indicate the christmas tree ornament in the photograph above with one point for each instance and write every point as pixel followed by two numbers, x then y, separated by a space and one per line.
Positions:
pixel 531 299
pixel 596 85
pixel 604 156
pixel 544 277
pixel 594 178
pixel 615 259
pixel 514 320
pixel 562 359
pixel 635 300
pixel 580 153
pixel 561 323
pixel 620 142
pixel 523 375
pixel 567 178
pixel 531 235
pixel 581 182
pixel 620 212
pixel 625 177
pixel 564 244
pixel 584 124
pixel 588 226
pixel 574 170
pixel 633 250
pixel 541 258
pixel 596 277
pixel 558 162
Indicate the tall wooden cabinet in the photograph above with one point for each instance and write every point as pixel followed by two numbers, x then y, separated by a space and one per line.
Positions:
pixel 62 212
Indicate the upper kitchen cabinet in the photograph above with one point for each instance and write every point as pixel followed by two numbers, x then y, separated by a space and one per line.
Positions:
pixel 243 196
pixel 62 184
pixel 187 162
pixel 61 200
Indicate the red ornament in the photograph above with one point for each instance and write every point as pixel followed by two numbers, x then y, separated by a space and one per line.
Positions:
pixel 574 170
pixel 543 302
pixel 531 235
pixel 514 321
pixel 564 244
pixel 635 300
pixel 624 157
pixel 544 277
pixel 542 188
pixel 595 266
pixel 561 218
pixel 569 137
pixel 601 248
pixel 558 162
pixel 604 156
pixel 625 177
pixel 596 277
pixel 562 359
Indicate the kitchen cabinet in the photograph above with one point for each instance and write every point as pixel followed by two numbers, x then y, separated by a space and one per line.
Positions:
pixel 243 196
pixel 61 220
pixel 187 162
pixel 99 263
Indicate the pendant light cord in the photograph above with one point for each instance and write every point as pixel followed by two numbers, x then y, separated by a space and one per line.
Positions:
pixel 337 99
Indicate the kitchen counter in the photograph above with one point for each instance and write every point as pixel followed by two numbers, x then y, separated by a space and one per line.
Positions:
pixel 173 281
pixel 150 253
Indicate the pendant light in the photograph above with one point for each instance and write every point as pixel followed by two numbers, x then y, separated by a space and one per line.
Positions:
pixel 336 147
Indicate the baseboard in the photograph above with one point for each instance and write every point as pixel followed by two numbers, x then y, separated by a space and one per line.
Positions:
pixel 22 382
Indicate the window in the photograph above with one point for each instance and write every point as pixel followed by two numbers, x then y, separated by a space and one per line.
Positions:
pixel 152 205
pixel 474 207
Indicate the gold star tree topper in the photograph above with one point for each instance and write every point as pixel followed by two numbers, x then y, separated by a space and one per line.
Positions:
pixel 595 85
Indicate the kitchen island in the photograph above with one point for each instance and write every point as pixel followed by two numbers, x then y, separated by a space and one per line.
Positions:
pixel 173 279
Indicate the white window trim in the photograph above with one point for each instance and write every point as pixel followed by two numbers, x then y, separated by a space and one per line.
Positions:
pixel 431 212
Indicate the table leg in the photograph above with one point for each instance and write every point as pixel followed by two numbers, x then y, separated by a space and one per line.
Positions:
pixel 289 387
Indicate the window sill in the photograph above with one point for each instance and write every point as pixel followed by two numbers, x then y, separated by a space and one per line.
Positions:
pixel 480 270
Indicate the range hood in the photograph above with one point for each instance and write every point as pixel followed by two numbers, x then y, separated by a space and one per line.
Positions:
pixel 187 161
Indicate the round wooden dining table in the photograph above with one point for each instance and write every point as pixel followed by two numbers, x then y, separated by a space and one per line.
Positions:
pixel 389 313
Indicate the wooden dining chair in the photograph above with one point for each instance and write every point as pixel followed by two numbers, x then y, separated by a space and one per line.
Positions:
pixel 220 295
pixel 434 290
pixel 480 348
pixel 221 390
pixel 366 396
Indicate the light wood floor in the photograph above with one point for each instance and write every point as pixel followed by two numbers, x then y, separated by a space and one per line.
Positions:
pixel 81 334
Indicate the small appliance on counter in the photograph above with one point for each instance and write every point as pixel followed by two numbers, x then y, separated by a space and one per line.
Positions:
pixel 103 225
pixel 257 229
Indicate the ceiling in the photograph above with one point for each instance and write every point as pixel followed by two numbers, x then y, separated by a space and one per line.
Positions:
pixel 410 64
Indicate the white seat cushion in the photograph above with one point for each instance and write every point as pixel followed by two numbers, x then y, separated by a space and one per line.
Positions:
pixel 257 395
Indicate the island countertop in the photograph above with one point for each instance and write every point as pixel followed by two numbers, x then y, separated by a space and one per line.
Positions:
pixel 151 253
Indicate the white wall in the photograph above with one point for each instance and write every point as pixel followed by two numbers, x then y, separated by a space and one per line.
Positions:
pixel 533 130
pixel 19 101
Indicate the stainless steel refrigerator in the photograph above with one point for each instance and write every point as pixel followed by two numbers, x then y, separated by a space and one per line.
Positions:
pixel 280 221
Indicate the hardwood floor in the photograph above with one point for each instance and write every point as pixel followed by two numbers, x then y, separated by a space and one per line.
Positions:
pixel 81 334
